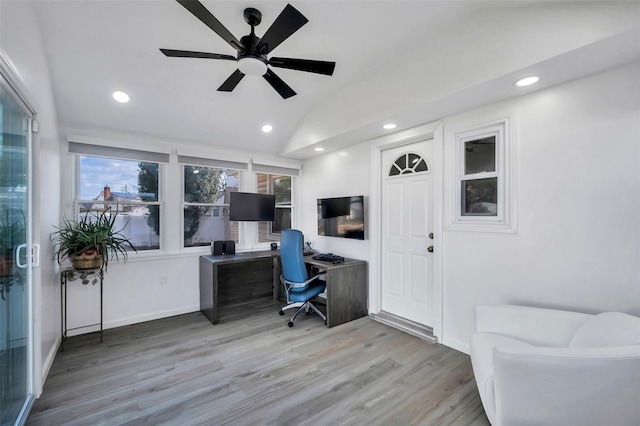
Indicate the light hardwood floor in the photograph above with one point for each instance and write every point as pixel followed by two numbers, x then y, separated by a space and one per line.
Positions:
pixel 251 369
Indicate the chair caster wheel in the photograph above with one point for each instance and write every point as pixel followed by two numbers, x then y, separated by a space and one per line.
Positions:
pixel 281 312
pixel 290 324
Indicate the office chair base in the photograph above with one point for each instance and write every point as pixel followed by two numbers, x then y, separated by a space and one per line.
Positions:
pixel 291 306
pixel 307 307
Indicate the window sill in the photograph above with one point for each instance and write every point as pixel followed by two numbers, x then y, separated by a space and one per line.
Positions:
pixel 468 226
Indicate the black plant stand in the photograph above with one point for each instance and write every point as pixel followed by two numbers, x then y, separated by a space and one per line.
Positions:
pixel 85 275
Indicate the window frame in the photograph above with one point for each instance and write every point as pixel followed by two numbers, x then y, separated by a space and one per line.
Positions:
pixel 272 236
pixel 78 201
pixel 184 203
pixel 504 220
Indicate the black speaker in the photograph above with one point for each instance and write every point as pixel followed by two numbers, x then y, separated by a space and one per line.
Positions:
pixel 217 248
pixel 229 247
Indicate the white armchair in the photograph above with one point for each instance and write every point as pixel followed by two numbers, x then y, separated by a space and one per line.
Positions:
pixel 548 367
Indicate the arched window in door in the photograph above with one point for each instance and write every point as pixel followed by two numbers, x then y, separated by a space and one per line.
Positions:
pixel 408 163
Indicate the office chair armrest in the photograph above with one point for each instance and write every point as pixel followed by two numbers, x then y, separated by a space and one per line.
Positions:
pixel 290 284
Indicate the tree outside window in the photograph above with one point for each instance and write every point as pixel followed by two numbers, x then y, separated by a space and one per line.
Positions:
pixel 280 186
pixel 206 205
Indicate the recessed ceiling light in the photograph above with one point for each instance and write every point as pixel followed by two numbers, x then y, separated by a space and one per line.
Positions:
pixel 389 126
pixel 121 97
pixel 319 149
pixel 267 128
pixel 527 81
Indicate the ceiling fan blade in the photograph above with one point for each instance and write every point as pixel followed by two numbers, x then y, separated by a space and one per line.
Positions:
pixel 202 13
pixel 276 82
pixel 189 54
pixel 308 65
pixel 231 82
pixel 288 22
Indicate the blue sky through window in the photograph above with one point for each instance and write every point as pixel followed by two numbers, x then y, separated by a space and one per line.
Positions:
pixel 96 173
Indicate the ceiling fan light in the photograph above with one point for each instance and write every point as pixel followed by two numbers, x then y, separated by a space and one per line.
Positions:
pixel 252 66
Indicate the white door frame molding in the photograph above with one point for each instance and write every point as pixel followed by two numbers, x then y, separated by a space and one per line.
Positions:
pixel 427 131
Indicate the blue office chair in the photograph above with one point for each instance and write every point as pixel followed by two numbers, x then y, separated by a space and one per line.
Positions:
pixel 300 289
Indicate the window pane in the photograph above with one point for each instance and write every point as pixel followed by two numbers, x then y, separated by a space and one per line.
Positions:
pixel 139 223
pixel 118 180
pixel 480 155
pixel 122 186
pixel 283 220
pixel 480 197
pixel 280 186
pixel 282 189
pixel 208 184
pixel 204 224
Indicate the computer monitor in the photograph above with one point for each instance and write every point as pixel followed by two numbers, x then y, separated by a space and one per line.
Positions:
pixel 248 206
pixel 341 217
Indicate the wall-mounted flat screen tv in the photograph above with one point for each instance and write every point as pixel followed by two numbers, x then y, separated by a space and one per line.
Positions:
pixel 248 206
pixel 341 217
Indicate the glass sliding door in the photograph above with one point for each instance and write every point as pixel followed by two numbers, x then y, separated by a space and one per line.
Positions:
pixel 15 287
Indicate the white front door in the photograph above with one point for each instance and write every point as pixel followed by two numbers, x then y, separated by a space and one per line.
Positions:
pixel 407 274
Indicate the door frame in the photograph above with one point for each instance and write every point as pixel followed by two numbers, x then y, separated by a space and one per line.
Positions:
pixel 433 131
pixel 12 82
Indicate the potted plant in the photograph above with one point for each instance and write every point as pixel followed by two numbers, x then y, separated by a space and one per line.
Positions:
pixel 91 241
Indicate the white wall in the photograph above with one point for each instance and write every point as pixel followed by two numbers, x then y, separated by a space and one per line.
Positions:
pixel 577 244
pixel 341 173
pixel 492 44
pixel 578 240
pixel 21 42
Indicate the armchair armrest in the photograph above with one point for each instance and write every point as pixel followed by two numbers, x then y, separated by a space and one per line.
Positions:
pixel 536 326
pixel 568 386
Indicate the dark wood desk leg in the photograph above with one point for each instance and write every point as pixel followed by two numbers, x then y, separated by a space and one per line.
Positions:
pixel 346 294
pixel 206 290
pixel 276 278
pixel 214 311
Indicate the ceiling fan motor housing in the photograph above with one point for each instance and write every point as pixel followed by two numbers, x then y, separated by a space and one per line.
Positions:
pixel 250 62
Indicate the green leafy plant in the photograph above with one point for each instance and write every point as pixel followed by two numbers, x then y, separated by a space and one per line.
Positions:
pixel 91 233
pixel 12 233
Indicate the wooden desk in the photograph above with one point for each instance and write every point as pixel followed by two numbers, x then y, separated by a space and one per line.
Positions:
pixel 346 289
pixel 229 279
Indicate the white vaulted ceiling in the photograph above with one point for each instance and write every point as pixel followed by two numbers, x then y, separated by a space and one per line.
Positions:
pixel 409 61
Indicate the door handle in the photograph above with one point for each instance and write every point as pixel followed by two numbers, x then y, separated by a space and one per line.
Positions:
pixel 18 250
pixel 430 249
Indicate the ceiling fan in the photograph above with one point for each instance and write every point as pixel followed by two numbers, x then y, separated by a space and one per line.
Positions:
pixel 252 50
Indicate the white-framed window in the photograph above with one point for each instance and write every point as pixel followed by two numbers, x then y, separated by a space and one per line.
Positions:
pixel 280 186
pixel 482 199
pixel 127 188
pixel 205 200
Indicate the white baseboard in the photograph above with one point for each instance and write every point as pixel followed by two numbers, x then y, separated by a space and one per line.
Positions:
pixel 46 365
pixel 150 316
pixel 458 345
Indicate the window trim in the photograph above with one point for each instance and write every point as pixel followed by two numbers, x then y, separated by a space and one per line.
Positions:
pixel 78 201
pixel 185 203
pixel 504 221
pixel 270 233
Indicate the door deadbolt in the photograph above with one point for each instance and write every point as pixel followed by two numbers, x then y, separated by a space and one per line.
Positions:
pixel 431 235
pixel 430 249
